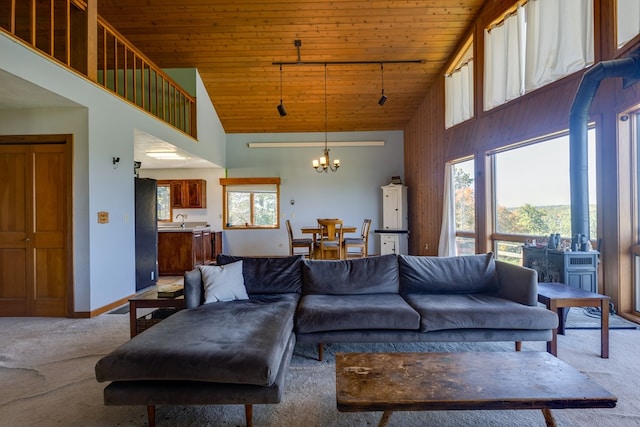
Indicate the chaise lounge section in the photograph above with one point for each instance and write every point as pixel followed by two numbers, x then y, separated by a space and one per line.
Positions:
pixel 238 351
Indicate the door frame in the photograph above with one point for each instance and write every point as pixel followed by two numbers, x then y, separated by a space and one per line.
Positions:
pixel 67 141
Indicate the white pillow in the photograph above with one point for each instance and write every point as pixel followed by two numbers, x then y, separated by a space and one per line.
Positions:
pixel 223 282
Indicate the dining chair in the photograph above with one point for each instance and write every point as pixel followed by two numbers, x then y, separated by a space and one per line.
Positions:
pixel 361 243
pixel 331 238
pixel 306 243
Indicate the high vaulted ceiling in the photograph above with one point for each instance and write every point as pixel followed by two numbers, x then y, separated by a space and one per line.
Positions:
pixel 234 44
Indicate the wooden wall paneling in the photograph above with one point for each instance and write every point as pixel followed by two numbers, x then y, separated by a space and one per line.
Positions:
pixel 541 112
pixel 424 173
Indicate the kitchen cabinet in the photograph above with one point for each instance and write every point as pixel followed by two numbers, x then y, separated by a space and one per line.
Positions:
pixel 183 250
pixel 216 244
pixel 395 214
pixel 188 193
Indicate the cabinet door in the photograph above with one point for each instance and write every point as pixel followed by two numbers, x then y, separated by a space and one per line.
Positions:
pixel 390 208
pixel 388 244
pixel 198 250
pixel 196 193
pixel 206 246
pixel 177 194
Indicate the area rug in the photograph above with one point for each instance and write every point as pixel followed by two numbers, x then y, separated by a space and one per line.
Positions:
pixel 47 377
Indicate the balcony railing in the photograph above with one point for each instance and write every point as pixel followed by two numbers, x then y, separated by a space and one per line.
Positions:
pixel 71 32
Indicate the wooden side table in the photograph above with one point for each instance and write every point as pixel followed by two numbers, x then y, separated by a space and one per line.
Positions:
pixel 557 296
pixel 150 300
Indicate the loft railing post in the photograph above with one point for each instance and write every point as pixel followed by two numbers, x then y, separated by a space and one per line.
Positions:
pixel 92 39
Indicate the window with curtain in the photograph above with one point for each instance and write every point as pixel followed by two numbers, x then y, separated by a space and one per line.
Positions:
pixel 539 43
pixel 503 74
pixel 457 236
pixel 458 89
pixel 628 20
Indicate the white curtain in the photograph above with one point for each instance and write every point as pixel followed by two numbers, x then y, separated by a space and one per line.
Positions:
pixel 559 39
pixel 458 89
pixel 503 61
pixel 628 17
pixel 447 244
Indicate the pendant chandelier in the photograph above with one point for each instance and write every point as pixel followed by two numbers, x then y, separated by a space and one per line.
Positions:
pixel 324 163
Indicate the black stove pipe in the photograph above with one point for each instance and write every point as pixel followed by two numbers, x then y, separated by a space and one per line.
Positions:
pixel 578 126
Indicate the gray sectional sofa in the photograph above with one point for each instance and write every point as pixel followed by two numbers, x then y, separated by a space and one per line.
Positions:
pixel 238 351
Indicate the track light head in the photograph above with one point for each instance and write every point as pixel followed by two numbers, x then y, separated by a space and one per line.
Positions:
pixel 382 100
pixel 281 109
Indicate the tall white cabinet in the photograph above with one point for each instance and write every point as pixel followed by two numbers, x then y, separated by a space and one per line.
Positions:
pixel 394 235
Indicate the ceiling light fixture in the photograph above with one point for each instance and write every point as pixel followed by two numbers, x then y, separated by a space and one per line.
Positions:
pixel 165 155
pixel 324 164
pixel 281 109
pixel 298 43
pixel 383 98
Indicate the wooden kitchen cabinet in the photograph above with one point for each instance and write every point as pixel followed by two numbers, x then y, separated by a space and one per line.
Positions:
pixel 206 246
pixel 180 251
pixel 188 193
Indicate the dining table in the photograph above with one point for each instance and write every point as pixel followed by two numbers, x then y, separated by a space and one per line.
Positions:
pixel 314 230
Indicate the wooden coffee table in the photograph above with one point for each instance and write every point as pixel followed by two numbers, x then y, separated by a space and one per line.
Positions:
pixel 463 381
pixel 557 296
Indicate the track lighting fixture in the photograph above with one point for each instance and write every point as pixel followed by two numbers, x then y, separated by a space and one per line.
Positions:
pixel 281 109
pixel 383 98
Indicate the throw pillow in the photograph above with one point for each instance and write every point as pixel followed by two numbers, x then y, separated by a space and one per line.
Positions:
pixel 223 282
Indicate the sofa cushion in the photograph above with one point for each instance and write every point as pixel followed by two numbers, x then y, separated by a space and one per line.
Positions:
pixel 343 312
pixel 268 275
pixel 223 282
pixel 460 274
pixel 478 311
pixel 237 342
pixel 371 275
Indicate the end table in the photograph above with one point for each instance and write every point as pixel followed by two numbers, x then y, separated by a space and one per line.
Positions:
pixel 150 299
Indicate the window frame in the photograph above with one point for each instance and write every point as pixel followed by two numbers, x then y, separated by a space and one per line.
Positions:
pixel 249 182
pixel 497 238
pixel 164 183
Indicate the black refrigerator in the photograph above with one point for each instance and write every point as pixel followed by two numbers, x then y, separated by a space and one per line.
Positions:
pixel 146 233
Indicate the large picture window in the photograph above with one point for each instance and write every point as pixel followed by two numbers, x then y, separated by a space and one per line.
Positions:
pixel 251 202
pixel 532 199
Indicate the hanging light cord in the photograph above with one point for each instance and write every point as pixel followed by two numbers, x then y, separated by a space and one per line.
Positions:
pixel 280 84
pixel 326 125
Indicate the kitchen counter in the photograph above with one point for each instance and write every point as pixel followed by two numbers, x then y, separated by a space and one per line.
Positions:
pixel 182 230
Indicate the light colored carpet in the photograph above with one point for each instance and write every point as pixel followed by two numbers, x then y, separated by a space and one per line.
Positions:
pixel 47 379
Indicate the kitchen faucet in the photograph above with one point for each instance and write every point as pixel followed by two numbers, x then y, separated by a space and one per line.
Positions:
pixel 181 215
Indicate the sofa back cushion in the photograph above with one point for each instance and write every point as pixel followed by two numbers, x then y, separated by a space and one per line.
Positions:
pixel 371 275
pixel 276 275
pixel 459 274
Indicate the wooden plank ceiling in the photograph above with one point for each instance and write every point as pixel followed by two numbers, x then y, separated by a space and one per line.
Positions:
pixel 234 44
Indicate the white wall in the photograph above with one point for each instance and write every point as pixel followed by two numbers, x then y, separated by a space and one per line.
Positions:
pixel 212 214
pixel 352 193
pixel 103 127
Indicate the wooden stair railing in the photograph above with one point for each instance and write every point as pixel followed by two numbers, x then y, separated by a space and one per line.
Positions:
pixel 71 32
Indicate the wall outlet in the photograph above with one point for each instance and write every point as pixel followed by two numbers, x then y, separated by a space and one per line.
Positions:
pixel 426 246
